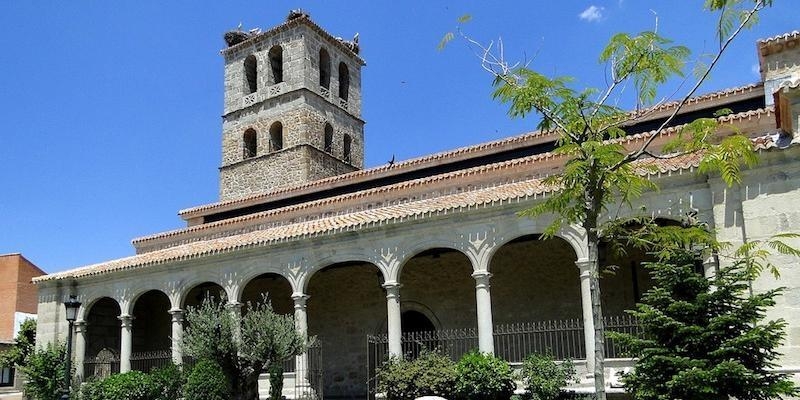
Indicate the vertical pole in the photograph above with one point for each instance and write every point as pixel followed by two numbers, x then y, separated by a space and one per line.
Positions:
pixel 584 267
pixel 177 335
pixel 394 328
pixel 126 341
pixel 483 301
pixel 68 367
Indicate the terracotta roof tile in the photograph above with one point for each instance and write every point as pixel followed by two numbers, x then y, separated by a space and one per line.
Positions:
pixel 402 186
pixel 356 220
pixel 429 159
pixel 780 38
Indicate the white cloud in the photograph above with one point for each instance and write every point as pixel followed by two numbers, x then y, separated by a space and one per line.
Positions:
pixel 591 14
pixel 756 70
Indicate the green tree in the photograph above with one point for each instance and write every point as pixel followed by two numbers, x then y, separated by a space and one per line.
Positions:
pixel 599 171
pixel 245 346
pixel 24 345
pixel 705 338
pixel 44 372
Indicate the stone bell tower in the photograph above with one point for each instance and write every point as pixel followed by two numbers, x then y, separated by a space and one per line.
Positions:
pixel 292 108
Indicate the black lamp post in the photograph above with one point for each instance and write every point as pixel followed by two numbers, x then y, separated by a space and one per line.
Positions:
pixel 71 307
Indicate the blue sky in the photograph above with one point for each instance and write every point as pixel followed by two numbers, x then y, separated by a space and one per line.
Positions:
pixel 111 110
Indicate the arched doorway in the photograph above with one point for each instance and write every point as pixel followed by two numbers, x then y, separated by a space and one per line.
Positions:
pixel 346 303
pixel 103 334
pixel 274 287
pixel 536 299
pixel 205 290
pixel 415 321
pixel 152 328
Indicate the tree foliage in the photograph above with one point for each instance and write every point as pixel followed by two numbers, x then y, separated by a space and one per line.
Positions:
pixel 601 172
pixel 243 346
pixel 704 338
pixel 23 347
pixel 44 371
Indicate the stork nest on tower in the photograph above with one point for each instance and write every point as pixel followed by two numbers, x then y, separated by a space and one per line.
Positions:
pixel 233 38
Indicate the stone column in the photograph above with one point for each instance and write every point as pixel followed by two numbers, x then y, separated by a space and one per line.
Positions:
pixel 394 329
pixel 177 335
pixel 126 342
pixel 483 301
pixel 235 308
pixel 584 266
pixel 301 324
pixel 80 349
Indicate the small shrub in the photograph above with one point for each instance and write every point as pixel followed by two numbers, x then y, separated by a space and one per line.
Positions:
pixel 430 374
pixel 45 373
pixel 207 382
pixel 545 379
pixel 482 376
pixel 133 385
pixel 169 381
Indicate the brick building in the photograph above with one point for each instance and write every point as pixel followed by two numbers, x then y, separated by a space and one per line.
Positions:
pixel 366 257
pixel 18 301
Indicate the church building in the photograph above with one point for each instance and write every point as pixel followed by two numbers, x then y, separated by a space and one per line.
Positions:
pixel 424 252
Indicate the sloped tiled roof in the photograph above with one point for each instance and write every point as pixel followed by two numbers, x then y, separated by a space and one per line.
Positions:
pixel 445 156
pixel 452 203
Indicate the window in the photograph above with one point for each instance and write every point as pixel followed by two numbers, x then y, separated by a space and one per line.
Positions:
pixel 324 69
pixel 328 138
pixel 346 146
pixel 276 136
pixel 6 376
pixel 276 63
pixel 251 73
pixel 250 148
pixel 344 81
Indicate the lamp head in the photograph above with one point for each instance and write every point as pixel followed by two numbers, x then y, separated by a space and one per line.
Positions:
pixel 71 306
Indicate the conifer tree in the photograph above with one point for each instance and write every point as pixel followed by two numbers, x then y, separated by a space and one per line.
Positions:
pixel 704 338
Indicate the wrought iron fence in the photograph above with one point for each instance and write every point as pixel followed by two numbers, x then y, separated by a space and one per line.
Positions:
pixel 146 361
pixel 512 342
pixel 623 324
pixel 302 383
pixel 560 338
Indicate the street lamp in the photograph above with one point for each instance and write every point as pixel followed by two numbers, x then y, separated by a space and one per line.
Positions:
pixel 71 307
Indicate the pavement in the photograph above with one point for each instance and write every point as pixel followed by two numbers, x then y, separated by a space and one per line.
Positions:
pixel 11 396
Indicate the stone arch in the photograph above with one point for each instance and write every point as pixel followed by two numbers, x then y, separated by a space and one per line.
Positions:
pixel 346 303
pixel 194 295
pixel 413 248
pixel 348 257
pixel 251 74
pixel 276 136
pixel 103 336
pixel 534 279
pixel 275 56
pixel 324 68
pixel 249 143
pixel 344 81
pixel 152 323
pixel 571 234
pixel 440 279
pixel 89 297
pixel 276 286
pixel 422 309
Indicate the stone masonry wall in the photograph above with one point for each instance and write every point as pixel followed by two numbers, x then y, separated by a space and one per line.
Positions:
pixel 346 305
pixel 276 170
